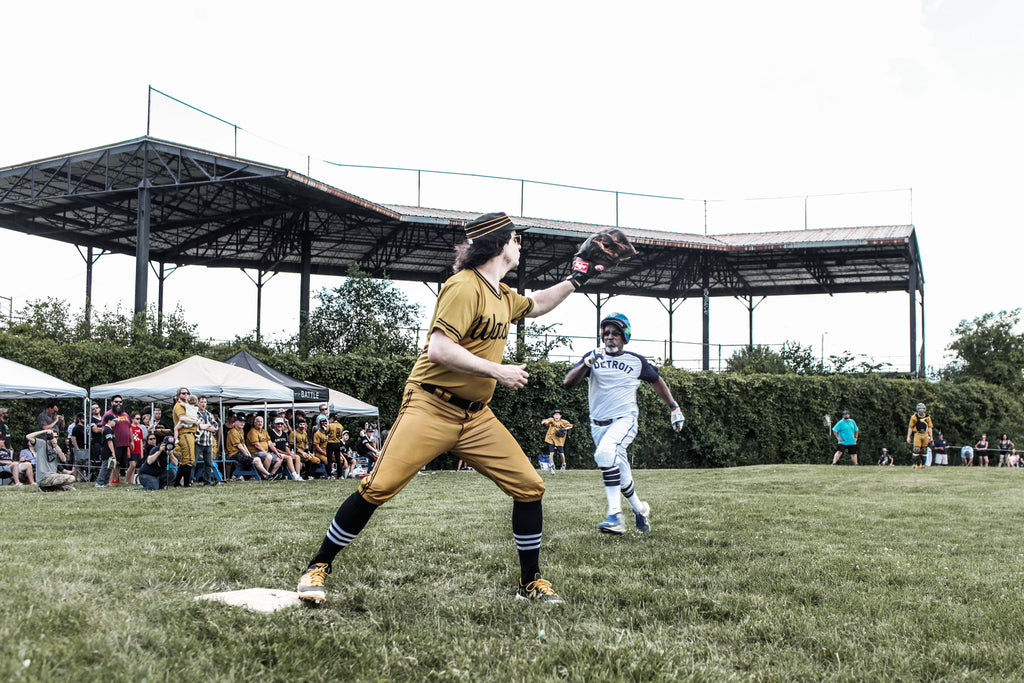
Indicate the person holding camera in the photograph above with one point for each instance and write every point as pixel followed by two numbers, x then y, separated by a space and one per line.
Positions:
pixel 153 473
pixel 49 459
pixel 49 420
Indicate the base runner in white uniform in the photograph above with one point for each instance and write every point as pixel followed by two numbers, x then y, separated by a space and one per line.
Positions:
pixel 614 375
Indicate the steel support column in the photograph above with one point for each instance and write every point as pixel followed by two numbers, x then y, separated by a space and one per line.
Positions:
pixel 912 291
pixel 706 321
pixel 142 247
pixel 307 248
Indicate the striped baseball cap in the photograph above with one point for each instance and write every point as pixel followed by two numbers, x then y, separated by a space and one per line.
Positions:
pixel 490 224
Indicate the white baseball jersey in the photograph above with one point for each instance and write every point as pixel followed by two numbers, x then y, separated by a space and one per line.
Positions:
pixel 613 383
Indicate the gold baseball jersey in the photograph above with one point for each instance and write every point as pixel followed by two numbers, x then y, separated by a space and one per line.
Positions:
pixel 920 424
pixel 300 440
pixel 553 426
pixel 233 441
pixel 320 439
pixel 176 415
pixel 334 431
pixel 474 315
pixel 256 441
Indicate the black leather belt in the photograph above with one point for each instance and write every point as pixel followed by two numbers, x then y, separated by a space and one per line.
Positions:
pixel 603 423
pixel 445 395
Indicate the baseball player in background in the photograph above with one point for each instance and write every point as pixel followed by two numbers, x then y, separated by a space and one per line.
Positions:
pixel 444 404
pixel 919 435
pixel 614 376
pixel 554 438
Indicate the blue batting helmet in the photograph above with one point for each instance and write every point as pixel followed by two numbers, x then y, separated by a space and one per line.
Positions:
pixel 620 321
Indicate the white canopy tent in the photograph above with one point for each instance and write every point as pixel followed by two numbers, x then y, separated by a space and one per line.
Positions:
pixel 202 376
pixel 20 381
pixel 338 402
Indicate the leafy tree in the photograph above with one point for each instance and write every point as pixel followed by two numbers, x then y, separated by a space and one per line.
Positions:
pixel 989 350
pixel 363 314
pixel 53 319
pixel 540 341
pixel 802 360
pixel 751 360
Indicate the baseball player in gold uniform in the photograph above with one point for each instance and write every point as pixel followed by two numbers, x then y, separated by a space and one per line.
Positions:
pixel 554 438
pixel 185 449
pixel 919 435
pixel 444 404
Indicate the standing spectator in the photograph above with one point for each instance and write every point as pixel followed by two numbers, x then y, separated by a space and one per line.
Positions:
pixel 5 432
pixel 161 428
pixel 153 473
pixel 846 432
pixel 50 474
pixel 109 453
pixel 95 435
pixel 342 464
pixel 49 419
pixel 919 435
pixel 79 452
pixel 940 450
pixel 981 449
pixel 206 429
pixel 136 450
pixel 322 415
pixel 967 456
pixel 122 428
pixel 185 448
pixel 1005 446
pixel 554 438
pixel 885 458
pixel 146 423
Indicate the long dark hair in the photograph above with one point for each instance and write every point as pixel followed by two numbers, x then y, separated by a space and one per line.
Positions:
pixel 471 254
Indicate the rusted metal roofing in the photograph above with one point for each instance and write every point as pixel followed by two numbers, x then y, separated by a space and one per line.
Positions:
pixel 221 211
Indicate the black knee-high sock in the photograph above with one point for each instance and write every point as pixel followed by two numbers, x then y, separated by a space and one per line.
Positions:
pixel 187 476
pixel 349 520
pixel 527 525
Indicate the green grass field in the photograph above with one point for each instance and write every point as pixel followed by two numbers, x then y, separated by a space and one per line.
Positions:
pixel 757 573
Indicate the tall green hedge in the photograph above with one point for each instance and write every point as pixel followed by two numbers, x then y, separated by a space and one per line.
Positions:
pixel 730 419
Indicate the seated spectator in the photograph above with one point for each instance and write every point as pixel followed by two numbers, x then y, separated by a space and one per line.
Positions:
pixel 19 469
pixel 153 472
pixel 300 446
pixel 885 458
pixel 320 449
pixel 1013 460
pixel 279 447
pixel 50 459
pixel 257 440
pixel 235 448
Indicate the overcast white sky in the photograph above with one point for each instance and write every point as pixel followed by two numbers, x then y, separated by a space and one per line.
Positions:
pixel 726 101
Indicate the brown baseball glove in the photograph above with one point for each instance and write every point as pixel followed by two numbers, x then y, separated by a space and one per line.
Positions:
pixel 599 251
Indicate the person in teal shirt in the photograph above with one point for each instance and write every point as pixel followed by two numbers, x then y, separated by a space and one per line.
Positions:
pixel 846 432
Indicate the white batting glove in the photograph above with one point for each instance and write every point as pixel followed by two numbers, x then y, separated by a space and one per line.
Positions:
pixel 677 419
pixel 594 356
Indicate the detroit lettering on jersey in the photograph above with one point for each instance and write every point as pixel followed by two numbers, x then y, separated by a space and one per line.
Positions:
pixel 613 383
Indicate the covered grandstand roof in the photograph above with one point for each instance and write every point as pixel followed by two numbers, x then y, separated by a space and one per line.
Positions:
pixel 216 210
